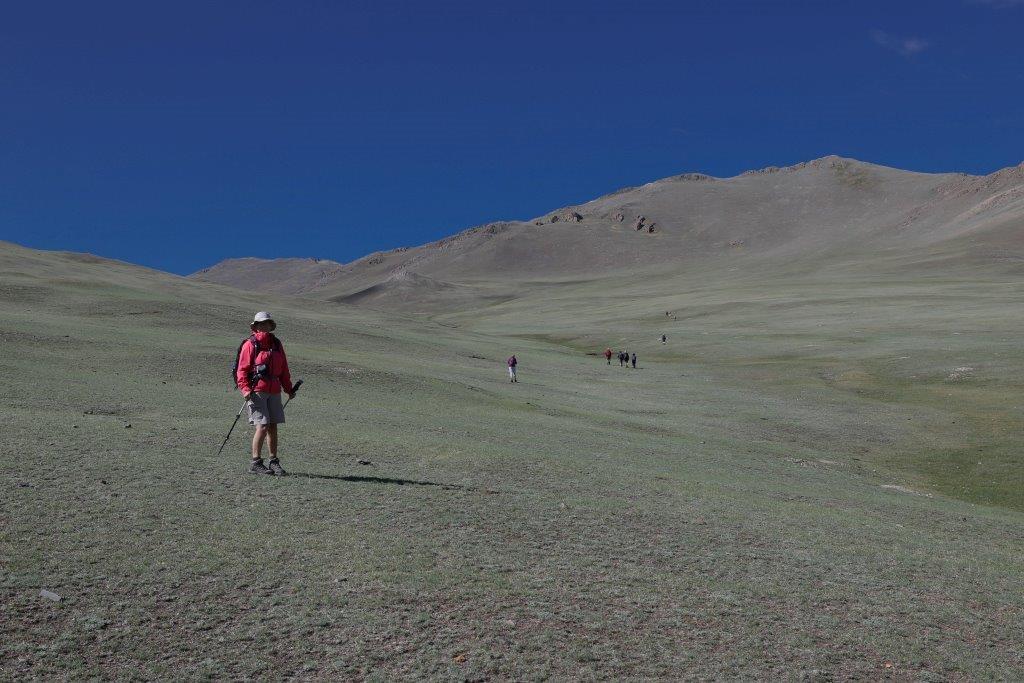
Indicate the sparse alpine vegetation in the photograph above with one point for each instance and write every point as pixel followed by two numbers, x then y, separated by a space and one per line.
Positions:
pixel 817 476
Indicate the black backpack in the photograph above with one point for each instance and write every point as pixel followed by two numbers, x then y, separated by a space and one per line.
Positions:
pixel 238 354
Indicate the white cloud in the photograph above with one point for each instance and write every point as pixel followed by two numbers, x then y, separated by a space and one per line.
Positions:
pixel 908 46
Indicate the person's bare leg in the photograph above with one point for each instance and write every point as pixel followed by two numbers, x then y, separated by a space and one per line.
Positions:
pixel 257 441
pixel 272 440
pixel 275 464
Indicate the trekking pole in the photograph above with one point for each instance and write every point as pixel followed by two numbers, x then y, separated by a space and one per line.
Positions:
pixel 295 390
pixel 232 427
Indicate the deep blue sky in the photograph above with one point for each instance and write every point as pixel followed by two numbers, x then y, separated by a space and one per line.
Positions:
pixel 178 134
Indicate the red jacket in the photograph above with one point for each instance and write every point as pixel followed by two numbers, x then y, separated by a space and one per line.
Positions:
pixel 277 366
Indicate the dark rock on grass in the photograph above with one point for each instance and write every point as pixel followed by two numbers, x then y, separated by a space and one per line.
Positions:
pixel 568 217
pixel 106 410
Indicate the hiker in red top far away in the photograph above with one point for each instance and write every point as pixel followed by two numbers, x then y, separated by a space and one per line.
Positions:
pixel 512 363
pixel 608 356
pixel 261 376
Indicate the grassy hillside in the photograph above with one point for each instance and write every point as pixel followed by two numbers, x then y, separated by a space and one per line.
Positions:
pixel 918 374
pixel 727 509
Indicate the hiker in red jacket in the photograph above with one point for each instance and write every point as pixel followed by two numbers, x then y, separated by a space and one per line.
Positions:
pixel 512 363
pixel 608 356
pixel 261 376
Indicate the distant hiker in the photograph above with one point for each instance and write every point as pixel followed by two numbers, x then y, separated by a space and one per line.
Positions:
pixel 622 358
pixel 608 356
pixel 664 339
pixel 512 363
pixel 261 375
pixel 634 360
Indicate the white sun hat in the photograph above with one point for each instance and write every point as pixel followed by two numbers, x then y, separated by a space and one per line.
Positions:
pixel 263 317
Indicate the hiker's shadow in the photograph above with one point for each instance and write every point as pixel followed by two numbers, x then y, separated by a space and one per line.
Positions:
pixel 374 480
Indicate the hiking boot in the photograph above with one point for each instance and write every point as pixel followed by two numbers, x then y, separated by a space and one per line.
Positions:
pixel 276 469
pixel 257 467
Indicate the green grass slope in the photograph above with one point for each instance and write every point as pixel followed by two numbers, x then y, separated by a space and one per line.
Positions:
pixel 722 511
pixel 917 373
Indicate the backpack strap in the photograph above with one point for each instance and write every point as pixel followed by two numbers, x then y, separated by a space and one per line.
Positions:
pixel 251 339
pixel 276 346
pixel 238 355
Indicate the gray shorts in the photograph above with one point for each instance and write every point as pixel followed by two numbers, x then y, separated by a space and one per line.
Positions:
pixel 266 409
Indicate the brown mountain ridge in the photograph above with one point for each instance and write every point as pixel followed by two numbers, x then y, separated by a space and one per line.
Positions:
pixel 820 211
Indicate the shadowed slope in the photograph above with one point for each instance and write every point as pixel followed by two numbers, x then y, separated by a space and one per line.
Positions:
pixel 288 275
